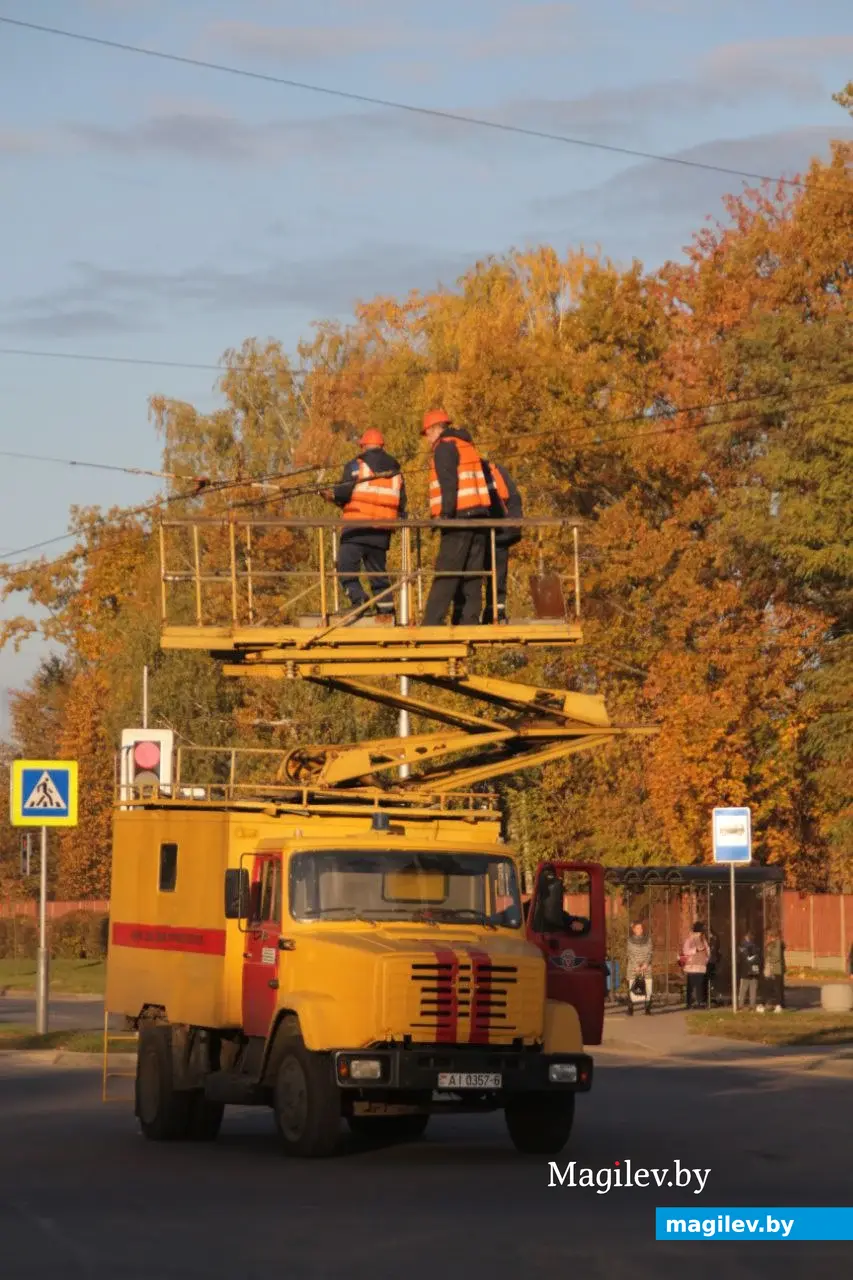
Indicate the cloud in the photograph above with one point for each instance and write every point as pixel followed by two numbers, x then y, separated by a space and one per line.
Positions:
pixel 69 322
pixel 790 64
pixel 206 133
pixel 730 76
pixel 303 44
pixel 20 142
pixel 201 133
pixel 652 209
pixel 102 298
pixel 527 30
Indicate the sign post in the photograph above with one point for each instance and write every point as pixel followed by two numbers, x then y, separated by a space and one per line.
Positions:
pixel 43 793
pixel 732 836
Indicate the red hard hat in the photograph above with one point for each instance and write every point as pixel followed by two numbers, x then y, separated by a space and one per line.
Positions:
pixel 372 439
pixel 435 418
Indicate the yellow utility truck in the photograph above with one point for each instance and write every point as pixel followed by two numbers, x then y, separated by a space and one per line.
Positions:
pixel 298 930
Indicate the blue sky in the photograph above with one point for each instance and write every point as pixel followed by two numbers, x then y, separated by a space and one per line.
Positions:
pixel 167 212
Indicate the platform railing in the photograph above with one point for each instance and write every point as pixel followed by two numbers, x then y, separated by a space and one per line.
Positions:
pixel 271 775
pixel 280 572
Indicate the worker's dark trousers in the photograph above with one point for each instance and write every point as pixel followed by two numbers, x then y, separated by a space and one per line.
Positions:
pixel 352 554
pixel 501 572
pixel 461 550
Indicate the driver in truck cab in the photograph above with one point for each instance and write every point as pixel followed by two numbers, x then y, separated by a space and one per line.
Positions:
pixel 552 915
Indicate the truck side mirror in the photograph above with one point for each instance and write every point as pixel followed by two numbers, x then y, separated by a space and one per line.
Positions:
pixel 236 893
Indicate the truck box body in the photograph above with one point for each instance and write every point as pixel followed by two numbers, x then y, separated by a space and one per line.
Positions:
pixel 350 982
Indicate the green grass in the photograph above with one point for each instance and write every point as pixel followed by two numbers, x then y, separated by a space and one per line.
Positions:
pixel 18 1037
pixel 792 1027
pixel 67 977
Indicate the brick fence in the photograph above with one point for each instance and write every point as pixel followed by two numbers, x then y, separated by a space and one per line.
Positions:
pixel 54 909
pixel 817 927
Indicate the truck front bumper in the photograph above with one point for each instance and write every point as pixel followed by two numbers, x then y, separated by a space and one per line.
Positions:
pixel 423 1069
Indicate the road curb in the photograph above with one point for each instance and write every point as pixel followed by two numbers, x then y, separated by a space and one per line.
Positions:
pixel 64 1058
pixel 837 1065
pixel 69 997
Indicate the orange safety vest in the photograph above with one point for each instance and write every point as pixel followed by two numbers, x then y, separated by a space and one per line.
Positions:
pixel 374 498
pixel 472 491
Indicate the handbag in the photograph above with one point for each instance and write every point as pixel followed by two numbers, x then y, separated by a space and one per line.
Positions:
pixel 638 986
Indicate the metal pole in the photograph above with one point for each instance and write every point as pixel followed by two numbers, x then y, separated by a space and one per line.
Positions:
pixel 145 696
pixel 734 936
pixel 42 976
pixel 404 727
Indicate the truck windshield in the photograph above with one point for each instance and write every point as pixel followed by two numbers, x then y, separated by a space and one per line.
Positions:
pixel 395 885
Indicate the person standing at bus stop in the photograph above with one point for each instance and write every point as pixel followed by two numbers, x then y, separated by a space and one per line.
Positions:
pixel 774 972
pixel 749 971
pixel 695 955
pixel 638 968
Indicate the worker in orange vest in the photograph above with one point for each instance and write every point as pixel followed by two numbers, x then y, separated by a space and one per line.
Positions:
pixel 372 488
pixel 457 491
pixel 506 504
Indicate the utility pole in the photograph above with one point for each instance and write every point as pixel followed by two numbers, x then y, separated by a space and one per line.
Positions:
pixel 404 721
pixel 43 961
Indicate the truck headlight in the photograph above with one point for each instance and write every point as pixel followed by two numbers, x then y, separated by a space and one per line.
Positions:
pixel 563 1073
pixel 365 1069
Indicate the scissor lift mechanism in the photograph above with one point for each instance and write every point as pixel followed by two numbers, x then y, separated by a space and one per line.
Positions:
pixel 530 726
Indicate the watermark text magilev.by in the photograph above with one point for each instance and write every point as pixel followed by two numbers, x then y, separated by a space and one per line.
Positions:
pixel 623 1175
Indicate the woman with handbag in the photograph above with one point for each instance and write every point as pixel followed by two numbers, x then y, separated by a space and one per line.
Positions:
pixel 694 959
pixel 638 970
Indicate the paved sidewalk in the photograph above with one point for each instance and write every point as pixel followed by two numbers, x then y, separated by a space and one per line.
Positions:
pixel 664 1036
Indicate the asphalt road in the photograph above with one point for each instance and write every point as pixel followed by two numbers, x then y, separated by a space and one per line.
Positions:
pixel 82 1014
pixel 82 1195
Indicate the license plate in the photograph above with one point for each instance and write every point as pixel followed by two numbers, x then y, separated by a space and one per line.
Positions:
pixel 468 1080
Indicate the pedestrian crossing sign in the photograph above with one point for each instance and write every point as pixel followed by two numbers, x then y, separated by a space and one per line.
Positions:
pixel 44 793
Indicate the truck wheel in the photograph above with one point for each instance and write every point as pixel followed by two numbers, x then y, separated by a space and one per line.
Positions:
pixel 381 1129
pixel 306 1102
pixel 205 1118
pixel 539 1124
pixel 162 1111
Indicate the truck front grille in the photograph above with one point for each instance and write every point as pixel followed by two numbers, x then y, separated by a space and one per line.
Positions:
pixel 465 1000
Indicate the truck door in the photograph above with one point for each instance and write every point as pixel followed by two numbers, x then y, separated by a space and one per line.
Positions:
pixel 566 921
pixel 261 953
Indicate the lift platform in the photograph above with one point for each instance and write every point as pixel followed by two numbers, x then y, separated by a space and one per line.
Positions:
pixel 263 597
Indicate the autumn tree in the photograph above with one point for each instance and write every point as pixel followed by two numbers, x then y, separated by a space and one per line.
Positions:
pixel 696 419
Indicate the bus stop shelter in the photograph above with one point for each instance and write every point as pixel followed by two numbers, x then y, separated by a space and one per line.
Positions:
pixel 667 900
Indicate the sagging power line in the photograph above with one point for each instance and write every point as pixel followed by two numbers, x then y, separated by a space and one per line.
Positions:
pixel 364 99
pixel 206 487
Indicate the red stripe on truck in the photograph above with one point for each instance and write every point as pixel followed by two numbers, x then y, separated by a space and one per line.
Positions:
pixel 481 993
pixel 447 996
pixel 169 937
